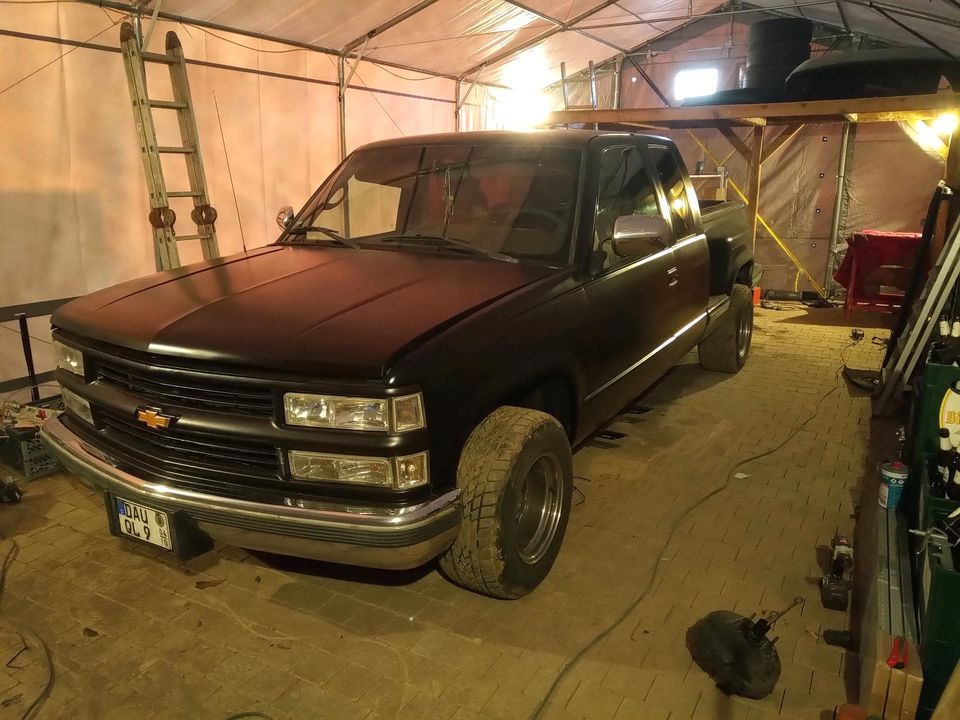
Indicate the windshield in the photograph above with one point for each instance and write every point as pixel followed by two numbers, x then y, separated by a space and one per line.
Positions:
pixel 507 199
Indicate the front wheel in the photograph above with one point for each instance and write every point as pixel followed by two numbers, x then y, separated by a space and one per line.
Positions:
pixel 726 348
pixel 516 479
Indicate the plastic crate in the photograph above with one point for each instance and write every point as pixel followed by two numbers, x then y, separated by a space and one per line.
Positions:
pixel 25 452
pixel 940 623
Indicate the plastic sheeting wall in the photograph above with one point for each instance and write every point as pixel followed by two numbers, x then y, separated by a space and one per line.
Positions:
pixel 73 198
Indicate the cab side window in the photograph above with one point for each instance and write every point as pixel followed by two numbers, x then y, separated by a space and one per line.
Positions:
pixel 671 179
pixel 625 188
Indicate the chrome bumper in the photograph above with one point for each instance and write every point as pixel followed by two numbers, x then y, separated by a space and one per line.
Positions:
pixel 389 538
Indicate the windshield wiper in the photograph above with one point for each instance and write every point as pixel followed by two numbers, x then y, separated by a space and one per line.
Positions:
pixel 329 232
pixel 443 240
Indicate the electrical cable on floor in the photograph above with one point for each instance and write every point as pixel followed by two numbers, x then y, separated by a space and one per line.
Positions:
pixel 570 664
pixel 29 638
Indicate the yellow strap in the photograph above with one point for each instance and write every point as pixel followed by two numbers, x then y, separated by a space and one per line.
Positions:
pixel 766 226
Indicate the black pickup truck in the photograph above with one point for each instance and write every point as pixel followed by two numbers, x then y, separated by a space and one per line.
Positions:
pixel 402 375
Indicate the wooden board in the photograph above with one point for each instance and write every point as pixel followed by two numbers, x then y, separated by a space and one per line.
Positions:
pixel 891 109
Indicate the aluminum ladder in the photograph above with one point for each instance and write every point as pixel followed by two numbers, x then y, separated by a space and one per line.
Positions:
pixel 162 217
pixel 926 311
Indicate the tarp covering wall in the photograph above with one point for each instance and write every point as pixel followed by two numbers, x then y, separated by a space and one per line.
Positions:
pixel 73 199
pixel 890 183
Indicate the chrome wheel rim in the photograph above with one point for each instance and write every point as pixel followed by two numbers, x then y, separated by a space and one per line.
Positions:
pixel 538 509
pixel 744 333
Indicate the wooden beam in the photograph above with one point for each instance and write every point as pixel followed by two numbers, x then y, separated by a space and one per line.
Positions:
pixel 753 184
pixel 909 107
pixel 785 136
pixel 738 144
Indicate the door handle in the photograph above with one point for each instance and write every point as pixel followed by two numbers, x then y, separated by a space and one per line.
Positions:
pixel 672 282
pixel 672 273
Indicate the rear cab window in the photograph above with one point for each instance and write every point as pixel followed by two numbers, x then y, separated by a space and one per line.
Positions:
pixel 676 188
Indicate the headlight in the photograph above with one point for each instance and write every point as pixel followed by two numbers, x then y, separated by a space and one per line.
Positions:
pixel 68 358
pixel 77 405
pixel 400 414
pixel 334 411
pixel 399 473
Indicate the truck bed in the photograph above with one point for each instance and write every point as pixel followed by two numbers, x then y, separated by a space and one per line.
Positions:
pixel 727 228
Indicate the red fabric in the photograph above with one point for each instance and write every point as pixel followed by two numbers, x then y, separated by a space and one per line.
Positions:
pixel 873 249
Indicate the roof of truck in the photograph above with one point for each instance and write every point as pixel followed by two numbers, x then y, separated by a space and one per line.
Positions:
pixel 560 137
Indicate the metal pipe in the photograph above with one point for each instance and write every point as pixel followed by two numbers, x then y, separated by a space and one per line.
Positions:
pixel 617 80
pixel 28 356
pixel 125 8
pixel 220 66
pixel 839 205
pixel 342 105
pixel 456 107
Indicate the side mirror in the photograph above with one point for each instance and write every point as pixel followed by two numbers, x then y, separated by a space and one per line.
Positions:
pixel 639 235
pixel 285 217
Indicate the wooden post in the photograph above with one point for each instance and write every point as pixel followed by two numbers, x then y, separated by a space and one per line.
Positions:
pixel 753 186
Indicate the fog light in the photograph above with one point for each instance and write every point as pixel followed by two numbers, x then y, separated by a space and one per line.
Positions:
pixel 77 405
pixel 400 473
pixel 320 467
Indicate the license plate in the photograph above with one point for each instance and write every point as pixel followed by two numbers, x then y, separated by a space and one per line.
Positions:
pixel 143 523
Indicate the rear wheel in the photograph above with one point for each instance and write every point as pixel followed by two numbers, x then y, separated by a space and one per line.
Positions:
pixel 726 349
pixel 516 479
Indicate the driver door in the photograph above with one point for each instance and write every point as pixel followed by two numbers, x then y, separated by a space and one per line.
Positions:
pixel 630 297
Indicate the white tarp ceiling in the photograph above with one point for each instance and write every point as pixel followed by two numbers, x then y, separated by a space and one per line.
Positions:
pixel 522 42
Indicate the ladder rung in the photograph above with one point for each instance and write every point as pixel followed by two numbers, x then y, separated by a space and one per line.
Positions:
pixel 181 238
pixel 158 57
pixel 184 193
pixel 168 104
pixel 181 150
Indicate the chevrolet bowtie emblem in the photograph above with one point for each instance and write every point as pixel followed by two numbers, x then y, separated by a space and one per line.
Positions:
pixel 154 418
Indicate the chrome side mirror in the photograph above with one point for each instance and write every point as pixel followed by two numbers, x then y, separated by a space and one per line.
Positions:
pixel 285 217
pixel 639 235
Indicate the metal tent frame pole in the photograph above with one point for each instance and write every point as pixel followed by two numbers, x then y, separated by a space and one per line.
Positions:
pixel 840 204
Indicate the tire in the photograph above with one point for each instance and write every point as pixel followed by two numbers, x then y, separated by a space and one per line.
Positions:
pixel 726 349
pixel 516 481
pixel 777 54
pixel 768 76
pixel 781 30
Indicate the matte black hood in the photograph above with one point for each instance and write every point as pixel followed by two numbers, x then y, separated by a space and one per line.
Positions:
pixel 305 310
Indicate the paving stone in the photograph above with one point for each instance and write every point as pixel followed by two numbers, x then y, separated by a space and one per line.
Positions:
pixel 296 639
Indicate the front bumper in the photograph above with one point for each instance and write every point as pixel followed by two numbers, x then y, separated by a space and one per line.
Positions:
pixel 394 538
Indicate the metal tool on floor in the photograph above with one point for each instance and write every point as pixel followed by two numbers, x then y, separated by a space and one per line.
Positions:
pixel 735 651
pixel 835 584
pixel 162 217
pixel 10 492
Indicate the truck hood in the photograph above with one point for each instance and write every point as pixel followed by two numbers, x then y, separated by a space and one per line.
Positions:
pixel 303 310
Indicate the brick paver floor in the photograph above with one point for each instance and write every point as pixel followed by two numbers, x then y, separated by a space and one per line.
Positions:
pixel 132 634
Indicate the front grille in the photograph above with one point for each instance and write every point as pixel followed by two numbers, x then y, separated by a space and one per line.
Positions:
pixel 178 451
pixel 189 390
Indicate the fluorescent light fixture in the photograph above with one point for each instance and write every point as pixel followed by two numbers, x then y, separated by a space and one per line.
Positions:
pixel 945 124
pixel 695 83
